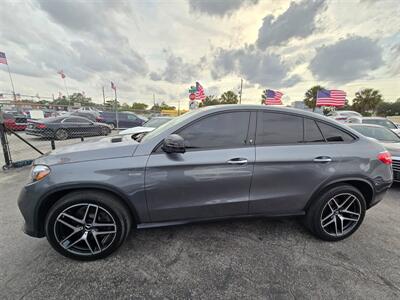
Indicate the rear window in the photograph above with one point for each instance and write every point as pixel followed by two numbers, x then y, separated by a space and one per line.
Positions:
pixel 312 134
pixel 279 128
pixel 333 134
pixel 382 122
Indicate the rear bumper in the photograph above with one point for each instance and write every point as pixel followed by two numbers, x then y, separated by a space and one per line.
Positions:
pixel 380 191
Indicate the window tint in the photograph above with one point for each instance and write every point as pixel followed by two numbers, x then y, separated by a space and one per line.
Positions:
pixel 76 120
pixel 278 128
pixel 311 132
pixel 131 117
pixel 227 130
pixel 333 134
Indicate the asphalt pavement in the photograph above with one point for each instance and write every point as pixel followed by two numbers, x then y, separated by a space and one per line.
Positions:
pixel 252 258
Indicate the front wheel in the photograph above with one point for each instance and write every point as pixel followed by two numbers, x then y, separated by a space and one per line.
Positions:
pixel 337 213
pixel 87 225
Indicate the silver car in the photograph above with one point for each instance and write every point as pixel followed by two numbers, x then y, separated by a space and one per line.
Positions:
pixel 215 163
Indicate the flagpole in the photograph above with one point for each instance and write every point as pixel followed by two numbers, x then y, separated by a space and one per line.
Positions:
pixel 12 83
pixel 116 107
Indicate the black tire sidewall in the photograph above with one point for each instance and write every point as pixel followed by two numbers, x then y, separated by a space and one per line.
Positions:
pixel 103 200
pixel 313 217
pixel 61 130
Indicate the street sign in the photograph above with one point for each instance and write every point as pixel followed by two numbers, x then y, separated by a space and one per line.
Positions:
pixel 192 96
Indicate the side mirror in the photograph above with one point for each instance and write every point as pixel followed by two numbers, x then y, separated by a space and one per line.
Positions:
pixel 174 143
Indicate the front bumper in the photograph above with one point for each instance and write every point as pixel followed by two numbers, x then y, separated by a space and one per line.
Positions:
pixel 28 204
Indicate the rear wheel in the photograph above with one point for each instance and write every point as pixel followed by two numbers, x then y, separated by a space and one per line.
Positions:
pixel 337 213
pixel 87 225
pixel 61 134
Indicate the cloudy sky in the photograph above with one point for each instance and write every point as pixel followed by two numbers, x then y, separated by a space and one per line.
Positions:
pixel 164 46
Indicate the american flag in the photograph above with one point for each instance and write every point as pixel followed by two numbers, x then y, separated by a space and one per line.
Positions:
pixel 113 86
pixel 61 72
pixel 200 95
pixel 273 98
pixel 3 59
pixel 331 98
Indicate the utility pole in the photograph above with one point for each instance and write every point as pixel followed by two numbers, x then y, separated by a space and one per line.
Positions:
pixel 241 89
pixel 104 97
pixel 154 100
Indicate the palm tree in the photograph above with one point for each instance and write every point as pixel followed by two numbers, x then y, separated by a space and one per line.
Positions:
pixel 229 97
pixel 310 97
pixel 367 100
pixel 210 100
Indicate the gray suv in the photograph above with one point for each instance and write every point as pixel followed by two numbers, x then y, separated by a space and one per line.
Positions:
pixel 214 163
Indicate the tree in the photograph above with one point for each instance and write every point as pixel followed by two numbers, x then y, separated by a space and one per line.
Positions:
pixel 163 106
pixel 210 100
pixel 310 97
pixel 385 109
pixel 229 97
pixel 139 106
pixel 366 101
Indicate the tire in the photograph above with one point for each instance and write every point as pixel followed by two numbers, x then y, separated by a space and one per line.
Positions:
pixel 337 213
pixel 112 126
pixel 105 131
pixel 61 134
pixel 85 236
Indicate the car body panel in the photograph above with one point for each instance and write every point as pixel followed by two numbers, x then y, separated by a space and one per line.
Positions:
pixel 198 184
pixel 166 188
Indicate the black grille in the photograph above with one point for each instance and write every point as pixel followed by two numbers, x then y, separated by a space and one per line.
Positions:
pixel 396 165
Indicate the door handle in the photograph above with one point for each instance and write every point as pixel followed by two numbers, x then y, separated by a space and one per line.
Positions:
pixel 322 159
pixel 237 161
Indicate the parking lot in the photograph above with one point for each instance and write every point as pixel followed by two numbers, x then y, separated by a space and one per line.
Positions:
pixel 254 258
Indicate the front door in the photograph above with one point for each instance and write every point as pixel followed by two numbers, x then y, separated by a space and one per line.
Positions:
pixel 212 179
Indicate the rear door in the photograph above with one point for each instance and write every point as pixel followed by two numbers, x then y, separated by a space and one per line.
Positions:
pixel 293 159
pixel 212 179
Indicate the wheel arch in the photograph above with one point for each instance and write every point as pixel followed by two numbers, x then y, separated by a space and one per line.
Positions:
pixel 363 185
pixel 50 198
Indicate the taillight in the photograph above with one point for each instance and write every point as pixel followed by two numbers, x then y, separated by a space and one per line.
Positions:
pixel 41 126
pixel 385 157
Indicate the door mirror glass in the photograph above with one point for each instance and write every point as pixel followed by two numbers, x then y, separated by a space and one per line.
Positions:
pixel 174 143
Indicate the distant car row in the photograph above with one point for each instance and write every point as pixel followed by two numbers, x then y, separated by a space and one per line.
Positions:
pixel 18 121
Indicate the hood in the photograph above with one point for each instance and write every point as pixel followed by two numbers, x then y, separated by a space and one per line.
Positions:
pixel 104 148
pixel 393 148
pixel 136 130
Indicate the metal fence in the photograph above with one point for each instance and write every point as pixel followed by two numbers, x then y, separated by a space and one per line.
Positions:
pixel 23 143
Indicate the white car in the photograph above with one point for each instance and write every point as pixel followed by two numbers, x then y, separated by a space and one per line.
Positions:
pixel 342 115
pixel 382 122
pixel 148 126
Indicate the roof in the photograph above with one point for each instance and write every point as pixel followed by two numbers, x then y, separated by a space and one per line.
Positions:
pixel 375 118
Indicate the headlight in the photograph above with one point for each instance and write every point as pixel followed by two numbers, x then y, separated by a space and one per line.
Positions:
pixel 39 172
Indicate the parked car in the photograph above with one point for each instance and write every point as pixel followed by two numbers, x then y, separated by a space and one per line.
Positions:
pixel 62 128
pixel 213 163
pixel 92 116
pixel 343 115
pixel 148 126
pixel 15 120
pixel 382 122
pixel 125 119
pixel 389 139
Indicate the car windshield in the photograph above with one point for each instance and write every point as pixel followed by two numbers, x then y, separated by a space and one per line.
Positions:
pixel 381 122
pixel 156 122
pixel 168 125
pixel 378 133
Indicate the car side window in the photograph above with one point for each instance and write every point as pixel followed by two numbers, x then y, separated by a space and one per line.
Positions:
pixel 225 130
pixel 131 117
pixel 312 134
pixel 277 128
pixel 333 134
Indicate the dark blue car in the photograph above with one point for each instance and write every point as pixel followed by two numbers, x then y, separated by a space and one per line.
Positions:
pixel 125 119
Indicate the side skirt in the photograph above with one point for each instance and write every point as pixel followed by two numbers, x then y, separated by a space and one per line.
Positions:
pixel 190 221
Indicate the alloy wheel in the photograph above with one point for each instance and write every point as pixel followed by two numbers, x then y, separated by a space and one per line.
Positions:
pixel 85 229
pixel 341 214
